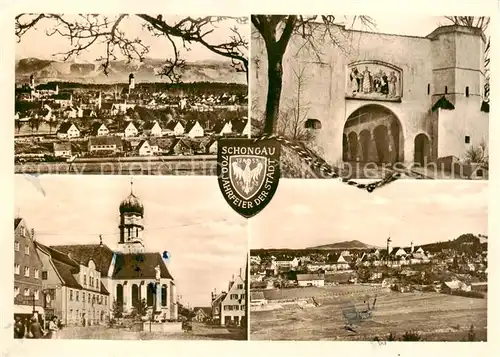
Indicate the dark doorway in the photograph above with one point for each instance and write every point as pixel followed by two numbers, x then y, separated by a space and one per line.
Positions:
pixel 422 149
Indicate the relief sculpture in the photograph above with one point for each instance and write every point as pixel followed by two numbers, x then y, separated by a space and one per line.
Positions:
pixel 374 81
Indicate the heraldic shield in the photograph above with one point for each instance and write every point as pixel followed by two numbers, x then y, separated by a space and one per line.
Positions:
pixel 248 172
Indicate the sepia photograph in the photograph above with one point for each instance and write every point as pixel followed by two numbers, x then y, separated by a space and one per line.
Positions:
pixel 407 263
pixel 373 96
pixel 131 259
pixel 128 94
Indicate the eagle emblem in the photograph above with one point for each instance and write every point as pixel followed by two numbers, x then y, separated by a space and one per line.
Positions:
pixel 247 174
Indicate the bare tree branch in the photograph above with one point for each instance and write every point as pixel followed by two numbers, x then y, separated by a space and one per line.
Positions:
pixel 92 29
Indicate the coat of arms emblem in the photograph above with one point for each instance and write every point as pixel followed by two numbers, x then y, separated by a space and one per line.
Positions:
pixel 248 173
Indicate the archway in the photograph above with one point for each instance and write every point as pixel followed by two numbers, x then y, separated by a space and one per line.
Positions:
pixel 119 294
pixel 378 132
pixel 150 294
pixel 353 146
pixel 422 149
pixel 345 148
pixel 164 295
pixel 135 295
pixel 365 139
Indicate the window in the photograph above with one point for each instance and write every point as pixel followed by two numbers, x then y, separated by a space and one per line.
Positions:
pixel 83 296
pixel 467 139
pixel 226 307
pixel 84 279
pixel 16 290
pixel 240 286
pixel 242 296
pixel 242 307
pixel 36 293
pixel 445 89
pixel 26 292
pixel 105 300
pixel 479 173
pixel 23 231
pixel 44 275
pixel 37 273
pixel 71 295
pixel 16 268
pixel 16 246
pixel 89 298
pixel 27 250
pixel 467 92
pixel 77 296
pixel 71 314
pixel 27 272
pixel 234 296
pixel 428 89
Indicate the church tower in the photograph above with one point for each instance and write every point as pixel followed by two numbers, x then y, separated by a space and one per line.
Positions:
pixel 131 224
pixel 389 245
pixel 131 82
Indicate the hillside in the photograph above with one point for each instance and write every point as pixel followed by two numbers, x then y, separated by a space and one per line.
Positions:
pixel 144 72
pixel 353 244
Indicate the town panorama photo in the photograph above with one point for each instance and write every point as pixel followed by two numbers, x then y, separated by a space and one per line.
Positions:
pixel 128 93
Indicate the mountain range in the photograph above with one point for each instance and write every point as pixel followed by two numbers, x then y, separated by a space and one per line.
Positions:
pixel 146 71
pixel 464 240
pixel 352 244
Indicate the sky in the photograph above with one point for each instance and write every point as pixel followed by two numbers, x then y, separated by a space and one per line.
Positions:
pixel 186 216
pixel 132 26
pixel 308 213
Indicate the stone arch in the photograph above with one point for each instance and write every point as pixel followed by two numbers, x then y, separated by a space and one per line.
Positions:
pixel 365 139
pixel 151 291
pixel 312 124
pixel 353 146
pixel 119 294
pixel 136 296
pixel 164 295
pixel 345 148
pixel 422 153
pixel 386 144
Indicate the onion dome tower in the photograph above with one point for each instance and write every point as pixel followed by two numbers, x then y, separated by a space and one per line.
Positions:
pixel 131 224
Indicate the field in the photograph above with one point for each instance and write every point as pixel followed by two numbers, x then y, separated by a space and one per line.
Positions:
pixel 436 317
pixel 200 332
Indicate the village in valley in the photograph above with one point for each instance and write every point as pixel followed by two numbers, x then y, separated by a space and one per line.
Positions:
pixel 61 121
pixel 405 285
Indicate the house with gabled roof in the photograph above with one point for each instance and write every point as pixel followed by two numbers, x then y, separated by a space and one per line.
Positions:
pixel 180 146
pixel 174 128
pixel 105 144
pixel 99 129
pixel 68 130
pixel 241 127
pixel 233 305
pixel 193 129
pixel 310 279
pixel 223 128
pixel 28 288
pixel 130 130
pixel 62 149
pixel 202 314
pixel 152 128
pixel 76 292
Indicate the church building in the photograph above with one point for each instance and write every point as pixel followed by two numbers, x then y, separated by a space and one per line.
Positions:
pixel 117 280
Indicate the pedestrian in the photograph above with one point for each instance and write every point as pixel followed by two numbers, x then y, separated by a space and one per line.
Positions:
pixel 36 329
pixel 53 327
pixel 19 329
